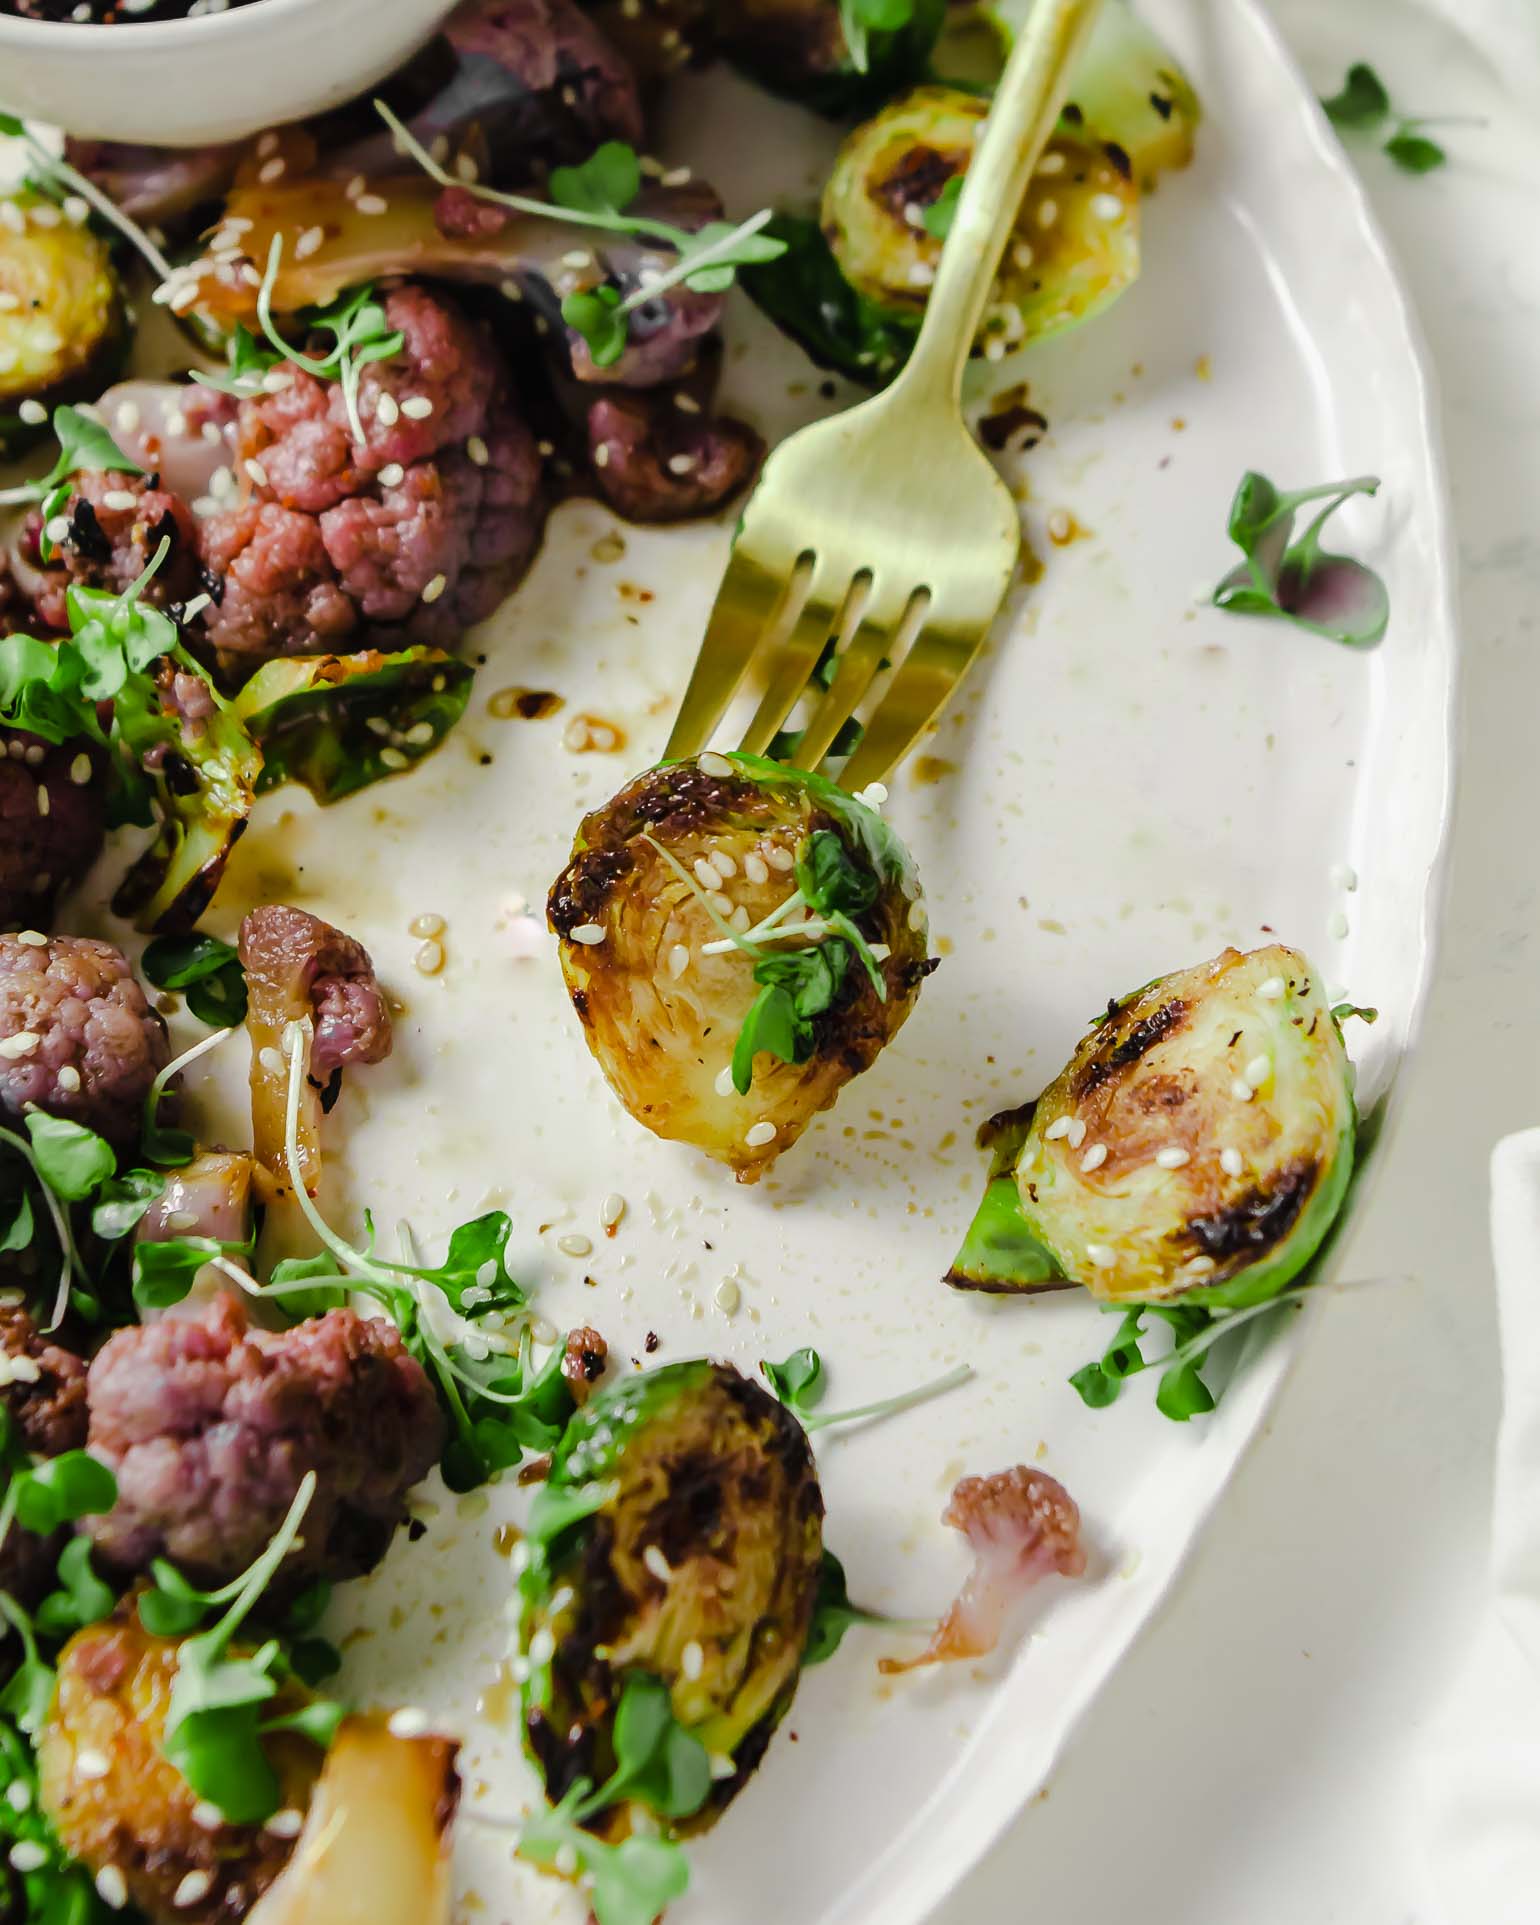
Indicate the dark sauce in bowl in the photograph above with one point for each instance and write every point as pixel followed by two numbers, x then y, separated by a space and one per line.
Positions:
pixel 115 13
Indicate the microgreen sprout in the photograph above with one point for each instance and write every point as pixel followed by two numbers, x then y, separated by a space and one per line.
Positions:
pixel 798 1384
pixel 1195 1330
pixel 1363 106
pixel 658 1764
pixel 84 447
pixel 163 1146
pixel 356 322
pixel 1331 595
pixel 206 969
pixel 861 18
pixel 597 194
pixel 834 1614
pixel 55 171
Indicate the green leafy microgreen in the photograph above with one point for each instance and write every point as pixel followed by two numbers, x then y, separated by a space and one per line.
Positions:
pixel 84 447
pixel 1331 595
pixel 939 216
pixel 71 1265
pixel 598 194
pixel 1181 1392
pixel 71 1159
pixel 1363 106
pixel 834 1614
pixel 1342 1011
pixel 164 1270
pixel 214 1726
pixel 29 1689
pixel 798 1384
pixel 121 1202
pixel 860 19
pixel 44 1497
pixel 207 969
pixel 82 1597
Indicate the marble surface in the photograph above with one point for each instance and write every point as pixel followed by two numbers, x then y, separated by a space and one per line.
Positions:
pixel 1255 1762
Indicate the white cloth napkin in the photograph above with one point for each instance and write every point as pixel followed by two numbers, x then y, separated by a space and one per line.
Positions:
pixel 1481 1772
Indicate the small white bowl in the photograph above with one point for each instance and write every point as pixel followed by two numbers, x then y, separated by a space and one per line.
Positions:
pixel 222 76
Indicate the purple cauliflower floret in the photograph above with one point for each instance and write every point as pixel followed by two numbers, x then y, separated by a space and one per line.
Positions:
pixel 77 1037
pixel 318 970
pixel 408 537
pixel 52 819
pixel 210 1426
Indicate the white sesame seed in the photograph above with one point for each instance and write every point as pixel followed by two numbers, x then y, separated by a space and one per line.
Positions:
pixel 119 499
pixel 575 1246
pixel 724 1081
pixel 710 763
pixel 658 1564
pixel 272 170
pixel 565 1859
pixel 759 1135
pixel 1057 1128
pixel 1272 989
pixel 678 960
pixel 1106 207
pixel 25 1370
pixel 1344 876
pixel 77 211
pixel 476 450
pixel 392 475
pixel 723 863
pixel 1241 1090
pixel 1052 162
pixel 18 1795
pixel 720 903
pixel 1257 1071
pixel 588 933
pixel 33 413
pixel 92 1764
pixel 722 1766
pixel 193 1888
pixel 32 754
pixel 681 464
pixel 692 1660
pixel 1075 1132
pixel 112 1887
pixel 705 873
pixel 1172 1158
pixel 207 1817
pixel 1100 1255
pixel 287 1823
pixel 33 938
pixel 43 802
pixel 435 588
pixel 782 859
pixel 69 1078
pixel 417 407
pixel 1199 1266
pixel 23 1043
pixel 873 795
pixel 1231 1162
pixel 28 1857
pixel 256 471
pixel 409 1722
pixel 755 868
pixel 612 1209
pixel 1094 1158
pixel 1047 213
pixel 393 758
pixel 126 416
pixel 58 529
pixel 466 169
pixel 371 204
pixel 387 411
pixel 1337 925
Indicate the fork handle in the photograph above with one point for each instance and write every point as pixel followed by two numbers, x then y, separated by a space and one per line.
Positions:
pixel 1023 116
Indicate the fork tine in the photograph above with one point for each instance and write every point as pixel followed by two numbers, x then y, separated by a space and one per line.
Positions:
pixel 748 604
pixel 796 657
pixel 926 677
pixel 858 664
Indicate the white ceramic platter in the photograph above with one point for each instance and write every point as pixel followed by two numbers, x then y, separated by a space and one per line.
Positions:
pixel 1133 779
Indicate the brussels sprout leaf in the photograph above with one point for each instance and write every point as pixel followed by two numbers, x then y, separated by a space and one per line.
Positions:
pixel 1332 595
pixel 798 1382
pixel 208 969
pixel 1001 1252
pixel 82 1599
pixel 807 297
pixel 1362 102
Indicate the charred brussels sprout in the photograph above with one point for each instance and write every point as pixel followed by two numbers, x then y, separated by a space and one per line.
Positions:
pixel 1131 94
pixel 1077 236
pixel 679 1537
pixel 835 56
pixel 1198 1147
pixel 63 331
pixel 740 939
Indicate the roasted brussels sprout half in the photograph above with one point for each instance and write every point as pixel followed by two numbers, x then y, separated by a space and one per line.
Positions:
pixel 739 939
pixel 63 329
pixel 1077 236
pixel 679 1536
pixel 831 57
pixel 1131 94
pixel 1198 1146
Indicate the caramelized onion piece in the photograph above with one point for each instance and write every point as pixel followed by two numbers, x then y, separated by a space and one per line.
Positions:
pixel 1022 1526
pixel 375 1849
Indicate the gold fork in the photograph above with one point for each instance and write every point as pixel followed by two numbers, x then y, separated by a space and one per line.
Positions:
pixel 885 529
